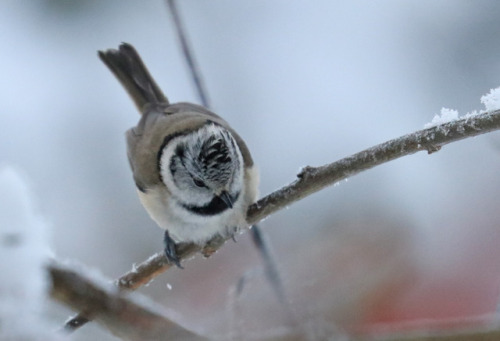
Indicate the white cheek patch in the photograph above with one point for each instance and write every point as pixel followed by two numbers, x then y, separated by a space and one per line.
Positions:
pixel 165 161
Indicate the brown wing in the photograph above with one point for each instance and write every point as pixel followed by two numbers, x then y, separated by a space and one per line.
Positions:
pixel 159 119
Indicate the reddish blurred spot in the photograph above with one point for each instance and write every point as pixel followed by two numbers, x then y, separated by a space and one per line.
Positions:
pixel 460 296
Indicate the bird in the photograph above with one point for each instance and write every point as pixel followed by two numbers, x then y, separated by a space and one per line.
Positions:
pixel 193 173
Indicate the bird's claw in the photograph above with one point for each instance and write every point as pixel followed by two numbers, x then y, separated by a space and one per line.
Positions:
pixel 170 251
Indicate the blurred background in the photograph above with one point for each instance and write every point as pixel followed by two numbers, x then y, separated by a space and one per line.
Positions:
pixel 304 83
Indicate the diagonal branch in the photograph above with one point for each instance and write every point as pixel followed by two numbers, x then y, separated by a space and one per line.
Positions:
pixel 123 317
pixel 313 179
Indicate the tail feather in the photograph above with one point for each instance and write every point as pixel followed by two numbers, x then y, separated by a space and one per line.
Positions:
pixel 129 69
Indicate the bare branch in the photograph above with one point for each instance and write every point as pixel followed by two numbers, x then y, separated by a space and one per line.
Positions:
pixel 124 318
pixel 313 179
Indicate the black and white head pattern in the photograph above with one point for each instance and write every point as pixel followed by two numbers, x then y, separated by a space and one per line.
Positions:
pixel 203 169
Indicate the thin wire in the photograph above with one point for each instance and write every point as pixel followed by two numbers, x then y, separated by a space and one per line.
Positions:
pixel 188 55
pixel 262 243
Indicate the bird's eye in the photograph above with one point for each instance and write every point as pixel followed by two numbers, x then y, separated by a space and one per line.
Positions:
pixel 199 182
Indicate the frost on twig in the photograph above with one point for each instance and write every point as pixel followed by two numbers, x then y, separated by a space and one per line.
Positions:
pixel 446 115
pixel 313 179
pixel 491 102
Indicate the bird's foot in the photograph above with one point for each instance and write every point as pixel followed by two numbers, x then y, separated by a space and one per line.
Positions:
pixel 170 251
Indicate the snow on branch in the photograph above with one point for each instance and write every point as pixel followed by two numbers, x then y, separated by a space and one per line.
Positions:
pixel 312 179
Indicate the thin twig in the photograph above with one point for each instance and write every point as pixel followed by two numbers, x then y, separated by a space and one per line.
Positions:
pixel 123 317
pixel 188 55
pixel 313 179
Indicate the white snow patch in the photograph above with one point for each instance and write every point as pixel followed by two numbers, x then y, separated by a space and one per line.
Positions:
pixel 23 255
pixel 446 115
pixel 491 100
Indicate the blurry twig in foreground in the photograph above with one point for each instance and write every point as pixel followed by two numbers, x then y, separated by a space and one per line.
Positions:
pixel 131 321
pixel 124 318
pixel 313 179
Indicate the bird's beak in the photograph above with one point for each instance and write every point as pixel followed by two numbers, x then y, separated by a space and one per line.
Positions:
pixel 226 198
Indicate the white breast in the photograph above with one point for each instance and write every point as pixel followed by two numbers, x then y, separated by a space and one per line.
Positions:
pixel 185 226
